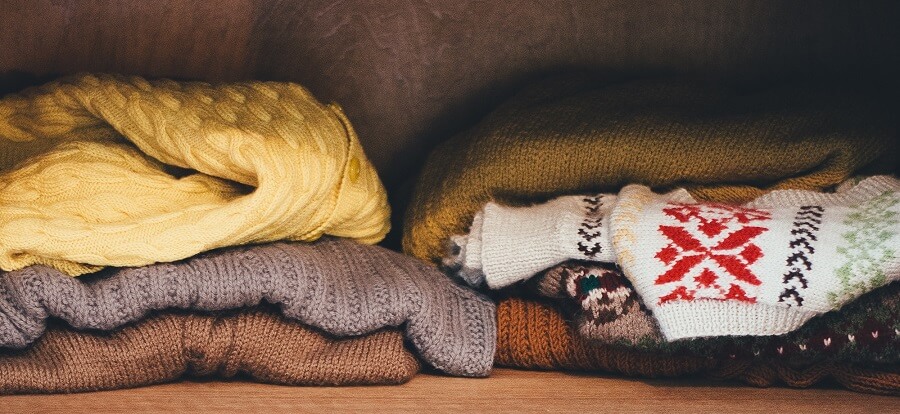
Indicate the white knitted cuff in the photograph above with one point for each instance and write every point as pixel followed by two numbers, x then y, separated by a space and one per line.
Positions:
pixel 519 242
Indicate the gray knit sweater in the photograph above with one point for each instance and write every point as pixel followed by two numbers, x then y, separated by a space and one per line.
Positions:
pixel 340 286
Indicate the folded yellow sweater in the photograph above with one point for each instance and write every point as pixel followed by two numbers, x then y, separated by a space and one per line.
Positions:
pixel 574 135
pixel 102 170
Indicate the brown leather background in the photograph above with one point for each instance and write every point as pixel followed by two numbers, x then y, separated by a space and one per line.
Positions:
pixel 410 73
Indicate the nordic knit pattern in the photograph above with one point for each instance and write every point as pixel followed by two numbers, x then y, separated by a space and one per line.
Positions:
pixel 534 335
pixel 765 268
pixel 573 137
pixel 165 347
pixel 337 285
pixel 506 244
pixel 865 330
pixel 102 170
pixel 606 308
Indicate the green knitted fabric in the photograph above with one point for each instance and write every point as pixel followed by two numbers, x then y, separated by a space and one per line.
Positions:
pixel 868 250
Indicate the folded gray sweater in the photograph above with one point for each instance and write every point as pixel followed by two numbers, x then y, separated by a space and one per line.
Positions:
pixel 340 286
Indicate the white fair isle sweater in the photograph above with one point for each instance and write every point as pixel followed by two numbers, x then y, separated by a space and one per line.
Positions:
pixel 765 268
pixel 705 269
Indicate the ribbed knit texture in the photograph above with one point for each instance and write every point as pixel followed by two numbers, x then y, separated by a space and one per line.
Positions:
pixel 337 285
pixel 534 335
pixel 570 137
pixel 765 268
pixel 102 170
pixel 256 342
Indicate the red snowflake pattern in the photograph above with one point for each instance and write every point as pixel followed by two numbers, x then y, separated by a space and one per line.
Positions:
pixel 713 246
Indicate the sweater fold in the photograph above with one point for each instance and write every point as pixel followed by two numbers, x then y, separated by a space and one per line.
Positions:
pixel 108 170
pixel 339 286
pixel 721 145
pixel 164 347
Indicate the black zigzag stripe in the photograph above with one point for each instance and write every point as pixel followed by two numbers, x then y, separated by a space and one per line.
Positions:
pixel 589 251
pixel 814 211
pixel 802 242
pixel 589 236
pixel 590 227
pixel 591 224
pixel 795 274
pixel 809 215
pixel 806 222
pixel 812 226
pixel 799 256
pixel 791 294
pixel 805 232
pixel 593 205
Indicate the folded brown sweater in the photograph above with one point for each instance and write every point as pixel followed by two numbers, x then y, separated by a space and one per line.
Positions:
pixel 257 342
pixel 340 286
pixel 534 335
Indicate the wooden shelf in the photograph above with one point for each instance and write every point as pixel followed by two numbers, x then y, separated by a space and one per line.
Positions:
pixel 505 391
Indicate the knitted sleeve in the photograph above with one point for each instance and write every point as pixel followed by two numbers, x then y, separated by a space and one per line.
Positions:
pixel 339 286
pixel 506 244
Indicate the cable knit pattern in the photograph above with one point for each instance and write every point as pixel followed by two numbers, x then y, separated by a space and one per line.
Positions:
pixel 103 170
pixel 164 347
pixel 707 269
pixel 337 285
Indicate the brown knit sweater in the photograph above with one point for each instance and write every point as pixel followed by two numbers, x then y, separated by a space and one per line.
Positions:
pixel 258 342
pixel 534 335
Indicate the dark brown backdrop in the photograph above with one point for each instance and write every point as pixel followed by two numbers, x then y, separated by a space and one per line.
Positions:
pixel 410 73
pixel 413 72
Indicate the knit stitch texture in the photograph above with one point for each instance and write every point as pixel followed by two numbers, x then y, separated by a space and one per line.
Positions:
pixel 103 170
pixel 603 308
pixel 534 335
pixel 765 268
pixel 602 304
pixel 337 285
pixel 708 269
pixel 507 244
pixel 165 347
pixel 575 137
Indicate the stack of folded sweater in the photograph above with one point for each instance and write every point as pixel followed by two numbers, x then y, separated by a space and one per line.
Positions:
pixel 668 228
pixel 150 230
pixel 214 229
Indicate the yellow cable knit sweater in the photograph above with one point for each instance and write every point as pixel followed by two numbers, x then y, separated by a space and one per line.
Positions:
pixel 102 170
